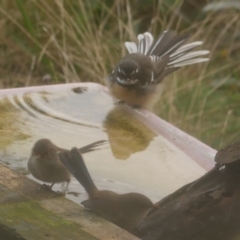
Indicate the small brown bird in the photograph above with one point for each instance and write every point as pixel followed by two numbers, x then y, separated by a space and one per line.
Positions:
pixel 44 163
pixel 136 78
pixel 124 210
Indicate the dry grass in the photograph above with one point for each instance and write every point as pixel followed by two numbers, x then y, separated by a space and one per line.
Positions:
pixel 82 41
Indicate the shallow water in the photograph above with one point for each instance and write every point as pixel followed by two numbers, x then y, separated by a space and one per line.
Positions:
pixel 135 159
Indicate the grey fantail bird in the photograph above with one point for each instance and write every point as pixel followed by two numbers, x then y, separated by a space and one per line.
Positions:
pixel 136 78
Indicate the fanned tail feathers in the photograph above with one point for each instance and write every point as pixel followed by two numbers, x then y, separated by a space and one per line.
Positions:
pixel 168 43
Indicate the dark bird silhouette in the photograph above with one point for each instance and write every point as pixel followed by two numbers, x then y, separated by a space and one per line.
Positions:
pixel 208 208
pixel 124 210
pixel 44 163
pixel 136 78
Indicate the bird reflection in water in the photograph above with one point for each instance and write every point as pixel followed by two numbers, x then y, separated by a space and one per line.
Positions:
pixel 126 134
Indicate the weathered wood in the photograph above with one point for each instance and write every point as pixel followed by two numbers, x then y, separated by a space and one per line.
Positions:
pixel 208 209
pixel 36 213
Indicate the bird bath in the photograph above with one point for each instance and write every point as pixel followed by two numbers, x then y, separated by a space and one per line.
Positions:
pixel 145 154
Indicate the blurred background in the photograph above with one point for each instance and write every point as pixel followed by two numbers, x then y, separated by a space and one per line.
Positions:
pixel 61 41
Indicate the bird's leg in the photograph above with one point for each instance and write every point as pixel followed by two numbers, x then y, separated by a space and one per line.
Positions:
pixel 64 192
pixel 66 188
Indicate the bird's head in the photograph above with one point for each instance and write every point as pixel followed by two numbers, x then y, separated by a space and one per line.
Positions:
pixel 126 72
pixel 134 69
pixel 42 147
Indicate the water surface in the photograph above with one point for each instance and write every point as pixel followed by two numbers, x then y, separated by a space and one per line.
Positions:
pixel 135 160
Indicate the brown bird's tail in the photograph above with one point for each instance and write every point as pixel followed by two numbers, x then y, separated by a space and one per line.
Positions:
pixel 74 162
pixel 92 147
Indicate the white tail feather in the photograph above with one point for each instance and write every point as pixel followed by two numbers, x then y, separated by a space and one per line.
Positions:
pixel 131 47
pixel 186 47
pixel 140 43
pixel 189 62
pixel 189 56
pixel 159 40
pixel 179 43
pixel 180 57
pixel 148 41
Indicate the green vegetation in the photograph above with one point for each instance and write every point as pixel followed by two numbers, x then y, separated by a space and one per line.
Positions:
pixel 82 41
